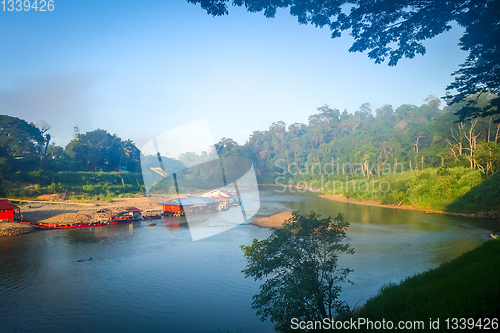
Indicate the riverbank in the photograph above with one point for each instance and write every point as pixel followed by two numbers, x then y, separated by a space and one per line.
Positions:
pixel 378 203
pixel 457 191
pixel 8 229
pixel 276 221
pixel 374 203
pixel 465 287
pixel 43 210
pixel 51 212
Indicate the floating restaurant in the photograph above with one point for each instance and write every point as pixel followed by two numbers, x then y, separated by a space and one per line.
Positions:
pixel 180 206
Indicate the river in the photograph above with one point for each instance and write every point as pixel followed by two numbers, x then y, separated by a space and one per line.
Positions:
pixel 156 279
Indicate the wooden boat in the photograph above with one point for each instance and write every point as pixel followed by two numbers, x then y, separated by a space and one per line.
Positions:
pixel 67 226
pixel 118 215
pixel 26 222
pixel 152 217
pixel 150 224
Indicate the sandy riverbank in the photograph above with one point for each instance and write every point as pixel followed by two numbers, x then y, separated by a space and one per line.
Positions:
pixel 44 211
pixel 15 229
pixel 39 211
pixel 275 221
pixel 373 203
pixel 340 198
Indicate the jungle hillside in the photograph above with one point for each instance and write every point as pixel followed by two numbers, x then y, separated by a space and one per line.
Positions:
pixel 420 156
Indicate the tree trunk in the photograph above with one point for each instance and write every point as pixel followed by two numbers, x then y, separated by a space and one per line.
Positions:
pixel 497 135
pixel 471 139
pixel 489 129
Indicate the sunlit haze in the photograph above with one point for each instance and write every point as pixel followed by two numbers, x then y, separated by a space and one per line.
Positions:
pixel 139 68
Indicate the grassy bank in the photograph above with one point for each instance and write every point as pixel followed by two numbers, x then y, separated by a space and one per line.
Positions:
pixel 466 287
pixel 75 185
pixel 458 190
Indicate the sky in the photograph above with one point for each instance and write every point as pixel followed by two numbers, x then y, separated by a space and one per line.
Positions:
pixel 139 68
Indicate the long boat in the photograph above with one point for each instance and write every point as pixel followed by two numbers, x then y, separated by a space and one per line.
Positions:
pixel 66 226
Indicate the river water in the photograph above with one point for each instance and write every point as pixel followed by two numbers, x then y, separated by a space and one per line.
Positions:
pixel 157 279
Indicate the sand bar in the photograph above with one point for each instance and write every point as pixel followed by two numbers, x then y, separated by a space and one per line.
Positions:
pixel 275 221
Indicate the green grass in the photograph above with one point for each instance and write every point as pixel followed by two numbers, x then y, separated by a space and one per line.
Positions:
pixel 466 287
pixel 459 189
pixel 79 185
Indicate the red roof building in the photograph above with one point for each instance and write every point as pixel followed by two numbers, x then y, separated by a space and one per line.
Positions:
pixel 9 212
pixel 190 205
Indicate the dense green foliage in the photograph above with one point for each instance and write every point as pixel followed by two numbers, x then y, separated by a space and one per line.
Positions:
pixel 395 29
pixel 75 185
pixel 458 189
pixel 360 144
pixel 466 287
pixel 17 136
pixel 299 265
pixel 420 156
pixel 99 150
pixel 29 167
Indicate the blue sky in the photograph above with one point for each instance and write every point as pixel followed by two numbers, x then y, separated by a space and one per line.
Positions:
pixel 140 68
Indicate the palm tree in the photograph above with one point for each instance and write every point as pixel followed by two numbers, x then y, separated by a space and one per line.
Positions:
pixel 126 148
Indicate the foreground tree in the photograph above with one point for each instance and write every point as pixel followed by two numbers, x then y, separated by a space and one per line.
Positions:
pixel 395 29
pixel 299 263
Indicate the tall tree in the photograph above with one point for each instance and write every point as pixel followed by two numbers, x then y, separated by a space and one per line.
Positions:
pixel 299 263
pixel 99 149
pixel 44 127
pixel 17 136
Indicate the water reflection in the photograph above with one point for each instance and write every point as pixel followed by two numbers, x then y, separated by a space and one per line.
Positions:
pixel 156 278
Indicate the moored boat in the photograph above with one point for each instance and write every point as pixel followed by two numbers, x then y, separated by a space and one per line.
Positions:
pixel 152 217
pixel 66 226
pixel 118 215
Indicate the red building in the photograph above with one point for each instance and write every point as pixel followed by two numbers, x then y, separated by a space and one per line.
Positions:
pixel 9 212
pixel 189 205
